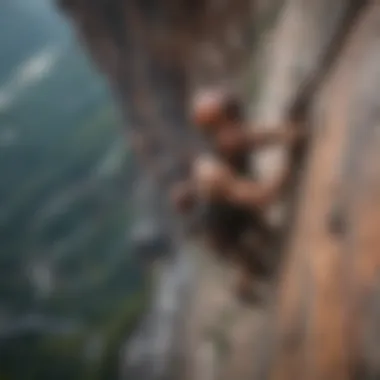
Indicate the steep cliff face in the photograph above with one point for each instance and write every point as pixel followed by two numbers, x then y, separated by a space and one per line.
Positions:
pixel 153 53
pixel 328 293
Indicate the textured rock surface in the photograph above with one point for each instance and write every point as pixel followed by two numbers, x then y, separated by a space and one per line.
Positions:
pixel 323 325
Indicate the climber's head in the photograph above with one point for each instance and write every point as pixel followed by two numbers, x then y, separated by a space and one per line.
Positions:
pixel 213 108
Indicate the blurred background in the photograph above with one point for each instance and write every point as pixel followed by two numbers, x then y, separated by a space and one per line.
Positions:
pixel 71 287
